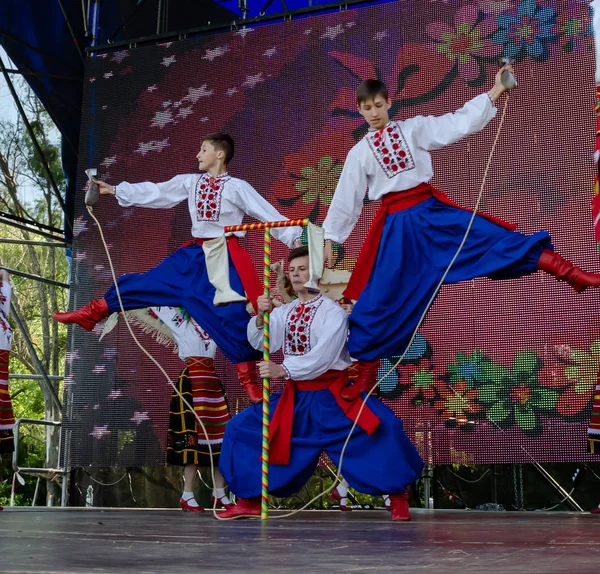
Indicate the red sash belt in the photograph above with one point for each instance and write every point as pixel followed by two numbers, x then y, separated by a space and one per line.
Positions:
pixel 243 265
pixel 392 203
pixel 281 424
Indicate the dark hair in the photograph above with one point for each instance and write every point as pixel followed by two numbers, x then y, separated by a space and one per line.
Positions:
pixel 298 252
pixel 221 142
pixel 369 89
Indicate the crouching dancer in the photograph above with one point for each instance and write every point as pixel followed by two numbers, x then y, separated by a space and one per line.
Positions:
pixel 309 416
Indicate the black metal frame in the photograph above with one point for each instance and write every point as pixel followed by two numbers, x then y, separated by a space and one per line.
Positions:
pixel 234 25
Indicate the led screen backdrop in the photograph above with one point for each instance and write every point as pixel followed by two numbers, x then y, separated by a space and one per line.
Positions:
pixel 501 371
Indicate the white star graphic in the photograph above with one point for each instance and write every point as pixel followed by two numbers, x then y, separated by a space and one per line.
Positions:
pixel 165 44
pixel 231 91
pixel 204 119
pixel 251 81
pixel 161 119
pixel 71 356
pixel 168 60
pixel 108 161
pixel 381 35
pixel 108 75
pixel 213 53
pixel 307 31
pixel 139 417
pixel 185 112
pixel 194 94
pixel 244 31
pixel 167 104
pixel 152 88
pixel 79 226
pixel 120 56
pixel 332 32
pixel 100 431
pixel 153 145
pixel 270 52
pixel 115 394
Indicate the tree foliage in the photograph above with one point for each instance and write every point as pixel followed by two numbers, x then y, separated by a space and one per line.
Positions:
pixel 26 191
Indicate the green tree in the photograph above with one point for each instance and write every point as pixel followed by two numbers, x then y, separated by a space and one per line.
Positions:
pixel 26 191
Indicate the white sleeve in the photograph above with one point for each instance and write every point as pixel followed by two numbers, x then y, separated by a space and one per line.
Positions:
pixel 328 350
pixel 434 132
pixel 155 195
pixel 347 202
pixel 6 291
pixel 258 207
pixel 165 314
pixel 276 324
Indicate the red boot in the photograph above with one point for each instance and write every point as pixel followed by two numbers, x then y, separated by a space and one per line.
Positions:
pixel 247 376
pixel 87 316
pixel 564 270
pixel 245 508
pixel 399 504
pixel 367 377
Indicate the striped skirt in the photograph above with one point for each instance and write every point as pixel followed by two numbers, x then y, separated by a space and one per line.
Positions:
pixel 594 428
pixel 7 417
pixel 187 442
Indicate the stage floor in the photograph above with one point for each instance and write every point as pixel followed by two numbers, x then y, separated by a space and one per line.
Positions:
pixel 169 541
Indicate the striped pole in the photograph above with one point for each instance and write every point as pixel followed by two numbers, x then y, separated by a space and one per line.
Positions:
pixel 264 499
pixel 268 225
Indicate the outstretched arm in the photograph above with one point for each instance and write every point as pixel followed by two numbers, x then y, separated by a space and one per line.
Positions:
pixel 147 194
pixel 259 208
pixel 435 132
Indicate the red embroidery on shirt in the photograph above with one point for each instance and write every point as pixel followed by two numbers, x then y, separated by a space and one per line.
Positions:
pixel 391 150
pixel 297 327
pixel 208 196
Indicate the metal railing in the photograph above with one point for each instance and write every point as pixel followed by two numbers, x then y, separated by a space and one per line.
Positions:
pixel 39 472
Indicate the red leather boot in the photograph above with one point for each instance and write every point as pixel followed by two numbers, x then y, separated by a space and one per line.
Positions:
pixel 367 377
pixel 245 508
pixel 87 316
pixel 399 504
pixel 247 376
pixel 561 268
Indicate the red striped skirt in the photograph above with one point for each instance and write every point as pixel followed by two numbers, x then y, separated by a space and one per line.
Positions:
pixel 7 417
pixel 187 441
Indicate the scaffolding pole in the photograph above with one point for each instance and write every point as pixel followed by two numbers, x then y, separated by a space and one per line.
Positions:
pixel 34 140
pixel 32 242
pixel 37 278
pixel 36 361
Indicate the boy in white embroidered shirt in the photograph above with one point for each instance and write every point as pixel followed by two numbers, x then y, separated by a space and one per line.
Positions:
pixel 215 200
pixel 418 229
pixel 309 416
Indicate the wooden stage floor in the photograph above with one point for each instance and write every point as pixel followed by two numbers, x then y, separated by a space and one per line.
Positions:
pixel 78 540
